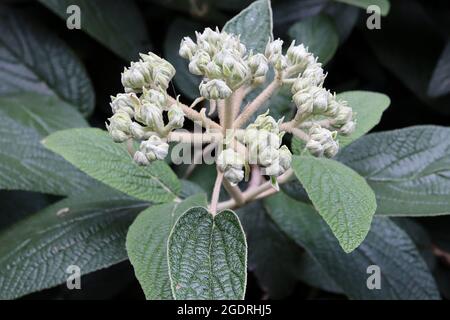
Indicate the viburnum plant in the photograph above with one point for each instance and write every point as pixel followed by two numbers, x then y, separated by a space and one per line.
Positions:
pixel 285 177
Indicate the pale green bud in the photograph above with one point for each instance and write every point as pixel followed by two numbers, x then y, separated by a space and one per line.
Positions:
pixel 234 175
pixel 331 148
pixel 344 115
pixel 139 132
pixel 304 102
pixel 156 97
pixel 176 116
pixel 258 65
pixel 274 48
pixel 322 142
pixel 187 48
pixel 154 148
pixel 235 71
pixel 140 158
pixel 297 55
pixel 285 158
pixel 314 73
pixel 268 155
pixel 137 76
pixel 348 128
pixel 126 102
pixel 265 122
pixel 119 126
pixel 279 62
pixel 321 97
pixel 213 71
pixel 228 158
pixel 214 89
pixel 152 116
pixel 198 63
pixel 315 148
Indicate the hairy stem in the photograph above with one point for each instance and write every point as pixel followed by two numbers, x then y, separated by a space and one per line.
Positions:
pixel 197 116
pixel 258 102
pixel 234 192
pixel 216 192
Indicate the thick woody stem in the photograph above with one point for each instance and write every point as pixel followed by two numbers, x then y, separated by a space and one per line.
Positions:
pixel 290 127
pixel 258 102
pixel 216 192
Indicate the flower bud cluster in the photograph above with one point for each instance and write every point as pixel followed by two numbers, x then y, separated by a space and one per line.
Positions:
pixel 222 61
pixel 138 113
pixel 263 140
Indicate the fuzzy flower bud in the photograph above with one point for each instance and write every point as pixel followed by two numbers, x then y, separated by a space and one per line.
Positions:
pixel 154 148
pixel 258 65
pixel 348 128
pixel 176 116
pixel 274 48
pixel 119 126
pixel 304 102
pixel 187 48
pixel 137 76
pixel 231 164
pixel 126 102
pixel 344 115
pixel 321 97
pixel 314 74
pixel 199 62
pixel 139 132
pixel 156 97
pixel 140 158
pixel 214 89
pixel 151 115
pixel 297 55
pixel 322 142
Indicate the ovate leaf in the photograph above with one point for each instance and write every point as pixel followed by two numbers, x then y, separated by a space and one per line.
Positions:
pixel 45 114
pixel 207 256
pixel 93 151
pixel 147 245
pixel 33 59
pixel 409 169
pixel 118 25
pixel 254 24
pixel 384 5
pixel 404 274
pixel 26 165
pixel 319 34
pixel 86 230
pixel 341 196
pixel 440 81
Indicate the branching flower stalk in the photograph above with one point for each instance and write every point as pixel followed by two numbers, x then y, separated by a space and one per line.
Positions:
pixel 145 112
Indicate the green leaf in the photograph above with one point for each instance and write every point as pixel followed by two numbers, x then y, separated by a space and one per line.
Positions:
pixel 86 230
pixel 33 59
pixel 184 80
pixel 93 151
pixel 404 274
pixel 368 106
pixel 45 114
pixel 440 81
pixel 319 34
pixel 341 196
pixel 207 256
pixel 26 165
pixel 254 24
pixel 118 25
pixel 383 4
pixel 147 245
pixel 409 169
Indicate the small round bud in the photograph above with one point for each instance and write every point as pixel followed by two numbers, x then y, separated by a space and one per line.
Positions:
pixel 228 158
pixel 315 148
pixel 140 158
pixel 119 126
pixel 214 89
pixel 234 176
pixel 348 128
pixel 137 76
pixel 265 122
pixel 344 115
pixel 152 116
pixel 268 155
pixel 331 148
pixel 279 62
pixel 273 48
pixel 137 131
pixel 297 55
pixel 154 148
pixel 322 142
pixel 187 48
pixel 258 65
pixel 285 158
pixel 176 116
pixel 314 74
pixel 213 71
pixel 198 63
pixel 126 102
pixel 156 97
pixel 304 102
pixel 235 71
pixel 320 97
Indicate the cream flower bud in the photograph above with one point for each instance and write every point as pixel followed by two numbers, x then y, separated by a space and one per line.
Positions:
pixel 139 132
pixel 154 148
pixel 137 76
pixel 176 116
pixel 213 71
pixel 258 65
pixel 297 55
pixel 126 102
pixel 331 148
pixel 162 74
pixel 333 107
pixel 344 115
pixel 152 116
pixel 301 84
pixel 234 175
pixel 314 74
pixel 279 62
pixel 322 142
pixel 234 70
pixel 228 158
pixel 156 97
pixel 304 102
pixel 268 155
pixel 273 48
pixel 265 122
pixel 214 89
pixel 140 158
pixel 321 97
pixel 348 128
pixel 187 48
pixel 119 126
pixel 285 157
pixel 315 148
pixel 199 62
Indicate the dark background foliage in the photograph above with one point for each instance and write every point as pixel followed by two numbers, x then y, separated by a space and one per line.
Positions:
pixel 398 60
